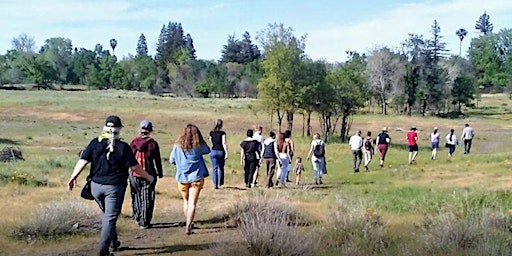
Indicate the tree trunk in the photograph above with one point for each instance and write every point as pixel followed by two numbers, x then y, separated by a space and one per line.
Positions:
pixel 303 123
pixel 308 132
pixel 384 105
pixel 343 130
pixel 424 107
pixel 289 120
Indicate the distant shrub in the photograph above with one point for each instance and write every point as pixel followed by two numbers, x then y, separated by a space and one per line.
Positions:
pixel 58 219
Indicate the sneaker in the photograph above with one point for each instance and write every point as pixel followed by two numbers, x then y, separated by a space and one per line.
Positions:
pixel 366 168
pixel 320 181
pixel 145 226
pixel 381 166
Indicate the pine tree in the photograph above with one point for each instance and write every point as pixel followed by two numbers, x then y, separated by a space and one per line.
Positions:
pixel 483 24
pixel 189 45
pixel 142 46
pixel 161 48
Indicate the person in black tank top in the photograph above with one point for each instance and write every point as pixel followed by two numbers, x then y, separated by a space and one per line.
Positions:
pixel 218 154
pixel 249 157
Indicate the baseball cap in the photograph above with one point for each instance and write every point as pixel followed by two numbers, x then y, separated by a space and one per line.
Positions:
pixel 113 121
pixel 146 125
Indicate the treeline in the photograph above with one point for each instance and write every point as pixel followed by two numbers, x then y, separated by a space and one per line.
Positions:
pixel 417 77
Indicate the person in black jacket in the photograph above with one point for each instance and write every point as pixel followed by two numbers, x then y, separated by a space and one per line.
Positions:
pixel 110 160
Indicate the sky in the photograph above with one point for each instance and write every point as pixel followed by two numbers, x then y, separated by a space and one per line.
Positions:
pixel 332 26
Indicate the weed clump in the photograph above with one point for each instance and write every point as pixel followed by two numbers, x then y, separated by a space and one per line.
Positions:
pixel 269 226
pixel 57 219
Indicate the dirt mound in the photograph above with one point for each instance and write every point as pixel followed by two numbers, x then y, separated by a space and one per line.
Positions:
pixel 10 153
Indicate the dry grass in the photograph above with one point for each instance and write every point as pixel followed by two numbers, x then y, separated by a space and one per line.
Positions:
pixel 50 133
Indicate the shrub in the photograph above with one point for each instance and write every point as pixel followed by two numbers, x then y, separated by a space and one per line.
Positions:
pixel 23 179
pixel 353 230
pixel 268 226
pixel 58 219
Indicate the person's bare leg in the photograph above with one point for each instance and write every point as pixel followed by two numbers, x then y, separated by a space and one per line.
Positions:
pixel 414 155
pixel 410 157
pixel 192 202
pixel 185 195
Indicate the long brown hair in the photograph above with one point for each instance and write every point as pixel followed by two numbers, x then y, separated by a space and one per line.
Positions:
pixel 190 138
pixel 280 142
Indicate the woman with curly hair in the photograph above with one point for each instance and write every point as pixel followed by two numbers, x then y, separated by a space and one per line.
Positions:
pixel 187 156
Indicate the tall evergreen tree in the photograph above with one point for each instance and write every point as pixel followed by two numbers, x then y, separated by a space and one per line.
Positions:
pixel 142 46
pixel 189 45
pixel 483 24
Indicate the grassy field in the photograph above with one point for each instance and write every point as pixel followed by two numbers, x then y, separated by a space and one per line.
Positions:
pixel 400 209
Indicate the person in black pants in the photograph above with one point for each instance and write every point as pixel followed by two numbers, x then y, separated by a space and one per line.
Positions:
pixel 147 152
pixel 249 157
pixel 110 160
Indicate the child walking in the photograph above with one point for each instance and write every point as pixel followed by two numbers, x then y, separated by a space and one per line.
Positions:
pixel 299 168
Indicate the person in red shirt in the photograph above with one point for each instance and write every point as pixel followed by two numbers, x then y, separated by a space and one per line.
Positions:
pixel 412 142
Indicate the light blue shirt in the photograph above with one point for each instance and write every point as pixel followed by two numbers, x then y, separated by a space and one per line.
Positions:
pixel 190 165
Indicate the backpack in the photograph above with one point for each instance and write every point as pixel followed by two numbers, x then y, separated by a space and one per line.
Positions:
pixel 368 144
pixel 141 157
pixel 319 150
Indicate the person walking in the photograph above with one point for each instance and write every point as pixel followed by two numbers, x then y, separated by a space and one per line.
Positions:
pixel 382 142
pixel 368 149
pixel 451 142
pixel 291 145
pixel 356 145
pixel 298 169
pixel 147 153
pixel 284 160
pixel 218 154
pixel 270 156
pixel 249 157
pixel 412 143
pixel 434 139
pixel 258 136
pixel 187 155
pixel 317 155
pixel 467 137
pixel 110 160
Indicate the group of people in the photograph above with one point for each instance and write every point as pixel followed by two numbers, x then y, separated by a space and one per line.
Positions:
pixel 365 147
pixel 115 162
pixel 274 153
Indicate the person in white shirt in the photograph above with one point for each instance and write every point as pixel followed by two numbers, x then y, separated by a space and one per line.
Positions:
pixel 356 144
pixel 467 137
pixel 434 138
pixel 451 142
pixel 257 136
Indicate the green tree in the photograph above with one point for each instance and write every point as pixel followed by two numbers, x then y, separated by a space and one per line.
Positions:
pixel 414 49
pixel 142 46
pixel 483 24
pixel 281 66
pixel 348 82
pixel 81 60
pixel 463 90
pixel 40 70
pixel 58 51
pixel 314 91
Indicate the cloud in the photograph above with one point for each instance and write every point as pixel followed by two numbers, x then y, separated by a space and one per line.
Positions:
pixel 392 27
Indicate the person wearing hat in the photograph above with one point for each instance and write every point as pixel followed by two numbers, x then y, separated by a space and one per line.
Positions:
pixel 434 139
pixel 382 143
pixel 110 160
pixel 147 152
pixel 412 143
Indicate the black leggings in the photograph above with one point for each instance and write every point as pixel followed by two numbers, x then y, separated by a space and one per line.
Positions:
pixel 249 169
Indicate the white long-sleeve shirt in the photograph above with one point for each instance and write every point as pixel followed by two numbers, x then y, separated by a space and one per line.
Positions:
pixel 451 139
pixel 356 142
pixel 467 133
